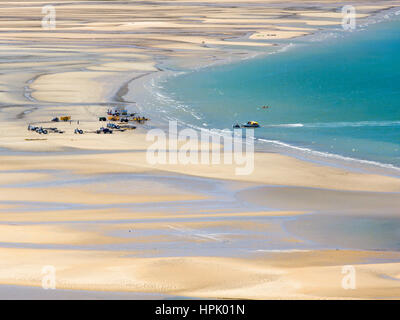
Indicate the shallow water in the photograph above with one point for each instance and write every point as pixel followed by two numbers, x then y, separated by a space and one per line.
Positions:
pixel 336 219
pixel 13 292
pixel 348 232
pixel 324 200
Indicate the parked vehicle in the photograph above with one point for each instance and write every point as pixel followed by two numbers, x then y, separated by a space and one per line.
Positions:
pixel 41 131
pixel 113 126
pixel 78 131
pixel 32 128
pixel 113 118
pixel 104 130
pixel 102 119
pixel 251 124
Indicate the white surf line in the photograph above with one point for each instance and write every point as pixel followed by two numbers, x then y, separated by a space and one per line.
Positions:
pixel 343 124
pixel 331 155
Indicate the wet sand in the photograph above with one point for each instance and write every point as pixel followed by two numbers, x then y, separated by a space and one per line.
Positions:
pixel 33 293
pixel 114 225
pixel 325 201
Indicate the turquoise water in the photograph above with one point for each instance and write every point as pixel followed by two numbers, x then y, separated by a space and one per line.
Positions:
pixel 339 96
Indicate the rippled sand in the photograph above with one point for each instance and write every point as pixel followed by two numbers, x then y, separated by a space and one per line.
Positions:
pixel 107 220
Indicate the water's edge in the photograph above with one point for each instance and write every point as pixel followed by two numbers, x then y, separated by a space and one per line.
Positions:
pixel 146 95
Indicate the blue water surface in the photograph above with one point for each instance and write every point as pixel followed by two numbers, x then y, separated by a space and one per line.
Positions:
pixel 339 96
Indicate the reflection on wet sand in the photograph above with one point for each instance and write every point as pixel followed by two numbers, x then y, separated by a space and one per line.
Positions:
pixel 112 224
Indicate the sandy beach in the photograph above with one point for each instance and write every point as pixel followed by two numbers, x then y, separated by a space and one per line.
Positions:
pixel 115 226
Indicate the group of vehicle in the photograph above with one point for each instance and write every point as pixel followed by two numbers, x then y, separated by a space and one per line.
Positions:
pixel 124 119
pixel 39 130
pixel 105 130
pixel 118 113
pixel 122 116
pixel 113 115
pixel 42 130
pixel 64 118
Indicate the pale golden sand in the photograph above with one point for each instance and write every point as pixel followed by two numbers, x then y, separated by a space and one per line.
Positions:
pixel 102 270
pixel 310 276
pixel 77 227
pixel 49 234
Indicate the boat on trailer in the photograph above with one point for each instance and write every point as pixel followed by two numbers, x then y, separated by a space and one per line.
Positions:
pixel 251 124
